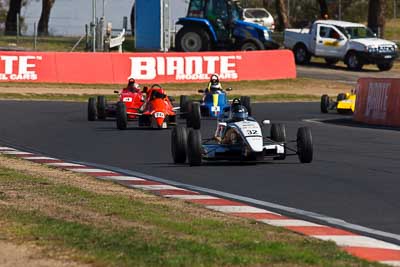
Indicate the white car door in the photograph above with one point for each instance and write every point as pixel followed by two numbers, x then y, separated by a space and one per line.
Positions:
pixel 330 42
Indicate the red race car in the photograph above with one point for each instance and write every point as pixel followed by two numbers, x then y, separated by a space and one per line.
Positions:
pixel 157 112
pixel 131 98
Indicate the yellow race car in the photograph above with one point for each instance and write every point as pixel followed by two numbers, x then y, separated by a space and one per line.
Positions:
pixel 345 103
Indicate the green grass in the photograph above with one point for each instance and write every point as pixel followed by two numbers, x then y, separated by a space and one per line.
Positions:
pixel 152 233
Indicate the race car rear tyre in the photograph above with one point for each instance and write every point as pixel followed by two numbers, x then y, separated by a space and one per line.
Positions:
pixel 245 101
pixel 193 119
pixel 340 97
pixel 304 145
pixel 179 144
pixel 278 132
pixel 324 103
pixel 92 110
pixel 194 148
pixel 122 118
pixel 101 107
pixel 183 102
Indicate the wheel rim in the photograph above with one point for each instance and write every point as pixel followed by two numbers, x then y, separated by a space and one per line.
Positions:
pixel 353 61
pixel 191 41
pixel 300 54
pixel 249 47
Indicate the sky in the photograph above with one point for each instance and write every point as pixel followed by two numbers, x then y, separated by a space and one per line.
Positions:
pixel 68 17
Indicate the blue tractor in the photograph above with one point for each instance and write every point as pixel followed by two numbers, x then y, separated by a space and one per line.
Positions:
pixel 218 25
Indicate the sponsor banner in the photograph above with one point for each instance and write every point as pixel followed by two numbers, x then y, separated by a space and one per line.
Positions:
pixel 378 101
pixel 99 68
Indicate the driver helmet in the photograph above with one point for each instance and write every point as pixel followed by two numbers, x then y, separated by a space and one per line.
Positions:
pixel 214 80
pixel 131 82
pixel 239 113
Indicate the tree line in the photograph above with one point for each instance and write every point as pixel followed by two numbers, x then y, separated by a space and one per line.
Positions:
pixel 306 10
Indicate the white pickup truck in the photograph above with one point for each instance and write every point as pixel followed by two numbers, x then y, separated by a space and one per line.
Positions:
pixel 336 40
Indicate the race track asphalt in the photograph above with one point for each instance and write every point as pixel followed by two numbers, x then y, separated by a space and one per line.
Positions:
pixel 355 175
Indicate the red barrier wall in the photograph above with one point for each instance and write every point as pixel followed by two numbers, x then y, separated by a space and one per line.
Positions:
pixel 378 101
pixel 145 67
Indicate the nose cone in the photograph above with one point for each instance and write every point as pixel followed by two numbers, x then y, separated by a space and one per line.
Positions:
pixel 160 122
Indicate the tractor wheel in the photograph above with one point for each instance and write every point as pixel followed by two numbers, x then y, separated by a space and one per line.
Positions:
pixel 304 145
pixel 252 45
pixel 92 110
pixel 193 119
pixel 179 144
pixel 324 103
pixel 183 104
pixel 101 107
pixel 122 118
pixel 245 101
pixel 194 148
pixel 192 40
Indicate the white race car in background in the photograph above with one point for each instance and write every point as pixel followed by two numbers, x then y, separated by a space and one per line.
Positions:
pixel 240 141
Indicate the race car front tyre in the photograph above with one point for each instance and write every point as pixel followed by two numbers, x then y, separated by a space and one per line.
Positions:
pixel 385 66
pixel 304 145
pixel 101 107
pixel 179 144
pixel 92 110
pixel 324 103
pixel 183 102
pixel 245 101
pixel 193 119
pixel 122 118
pixel 194 148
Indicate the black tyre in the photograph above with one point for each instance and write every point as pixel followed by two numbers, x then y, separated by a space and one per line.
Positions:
pixel 385 66
pixel 340 97
pixel 278 132
pixel 301 54
pixel 194 148
pixel 331 61
pixel 92 110
pixel 122 118
pixel 192 40
pixel 252 45
pixel 353 61
pixel 101 107
pixel 245 101
pixel 304 145
pixel 324 103
pixel 183 104
pixel 179 144
pixel 193 119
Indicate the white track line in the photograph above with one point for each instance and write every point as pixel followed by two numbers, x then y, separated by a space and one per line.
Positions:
pixel 64 164
pixel 238 209
pixel 288 222
pixel 121 178
pixel 191 197
pixel 87 170
pixel 5 148
pixel 155 187
pixel 39 158
pixel 357 241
